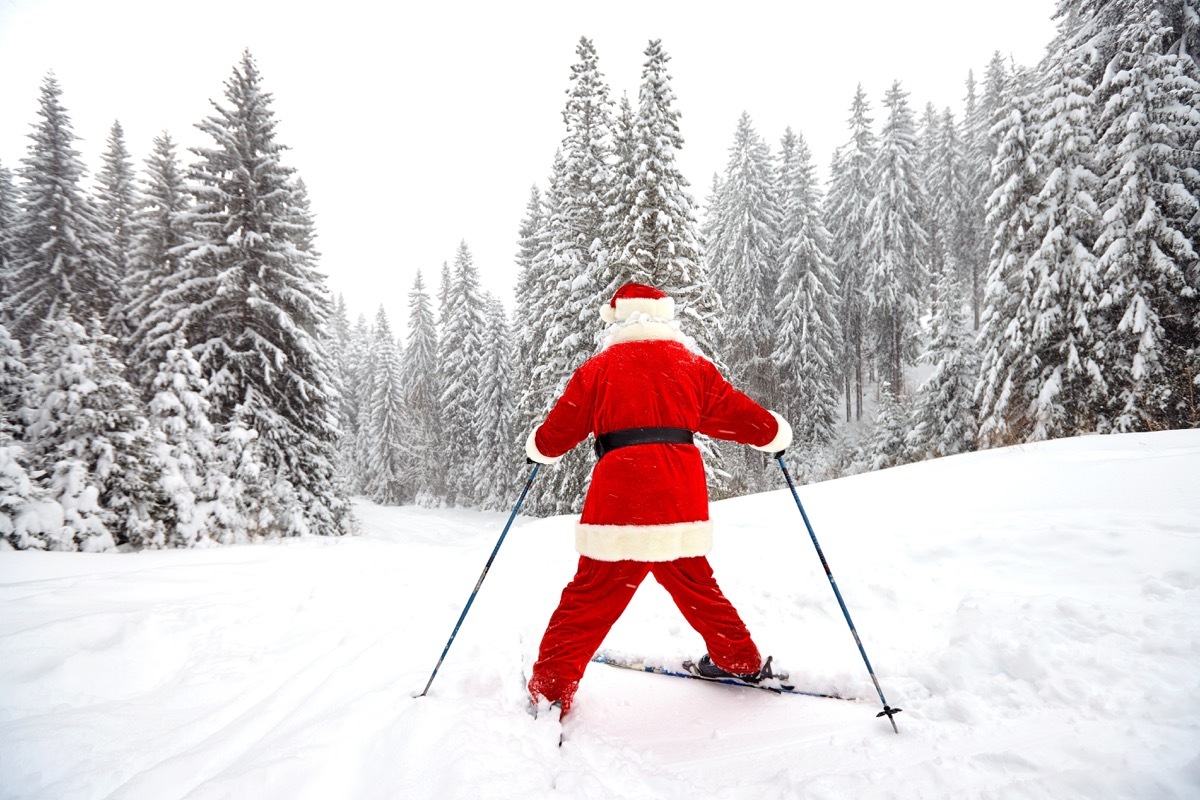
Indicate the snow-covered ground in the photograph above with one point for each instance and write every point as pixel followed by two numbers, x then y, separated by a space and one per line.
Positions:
pixel 1035 611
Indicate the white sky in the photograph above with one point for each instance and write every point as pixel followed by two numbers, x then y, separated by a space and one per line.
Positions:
pixel 417 125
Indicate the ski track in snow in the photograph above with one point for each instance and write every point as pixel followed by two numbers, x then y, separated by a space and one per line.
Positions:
pixel 1035 611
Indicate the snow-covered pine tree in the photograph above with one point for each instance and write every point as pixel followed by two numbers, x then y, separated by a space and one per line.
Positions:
pixel 161 229
pixel 56 244
pixel 23 522
pixel 945 416
pixel 951 193
pixel 242 507
pixel 743 257
pixel 420 378
pixel 659 231
pixel 1007 319
pixel 934 254
pixel 526 337
pixel 500 453
pixel 8 218
pixel 887 445
pixel 254 306
pixel 460 354
pixel 117 200
pixel 808 346
pixel 360 365
pixel 895 243
pixel 972 255
pixel 656 228
pixel 1067 393
pixel 1149 243
pixel 387 429
pixel 88 433
pixel 569 272
pixel 188 476
pixel 850 192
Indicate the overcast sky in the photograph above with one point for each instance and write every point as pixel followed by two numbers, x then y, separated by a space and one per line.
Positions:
pixel 418 125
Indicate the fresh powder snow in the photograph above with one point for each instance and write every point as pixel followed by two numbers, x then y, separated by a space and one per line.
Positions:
pixel 1034 610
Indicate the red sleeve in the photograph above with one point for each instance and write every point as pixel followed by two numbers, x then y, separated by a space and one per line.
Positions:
pixel 727 413
pixel 570 421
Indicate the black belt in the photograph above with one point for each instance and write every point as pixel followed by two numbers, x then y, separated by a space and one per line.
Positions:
pixel 607 442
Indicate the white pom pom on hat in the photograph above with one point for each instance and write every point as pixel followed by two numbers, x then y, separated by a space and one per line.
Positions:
pixel 637 298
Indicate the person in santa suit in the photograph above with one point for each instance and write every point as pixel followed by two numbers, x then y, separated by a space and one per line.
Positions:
pixel 646 510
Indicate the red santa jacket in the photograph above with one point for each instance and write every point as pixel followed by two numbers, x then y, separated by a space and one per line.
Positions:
pixel 649 502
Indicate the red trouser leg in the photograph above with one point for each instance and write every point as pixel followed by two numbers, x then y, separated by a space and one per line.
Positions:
pixel 601 590
pixel 590 604
pixel 691 584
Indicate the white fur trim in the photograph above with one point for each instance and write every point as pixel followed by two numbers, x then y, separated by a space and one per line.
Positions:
pixel 644 330
pixel 535 454
pixel 783 437
pixel 644 542
pixel 657 307
pixel 608 314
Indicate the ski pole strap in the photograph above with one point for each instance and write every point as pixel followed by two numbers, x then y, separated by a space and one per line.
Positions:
pixel 607 442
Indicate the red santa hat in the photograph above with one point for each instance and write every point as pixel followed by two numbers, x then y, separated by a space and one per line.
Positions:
pixel 637 298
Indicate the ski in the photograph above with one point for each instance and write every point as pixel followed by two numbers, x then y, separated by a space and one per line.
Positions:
pixel 686 669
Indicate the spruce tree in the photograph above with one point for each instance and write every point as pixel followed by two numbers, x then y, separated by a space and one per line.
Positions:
pixel 945 414
pixel 421 397
pixel 895 243
pixel 117 195
pixel 387 430
pixel 8 219
pixel 21 524
pixel 254 306
pixel 850 193
pixel 161 229
pixel 56 244
pixel 809 340
pixel 1067 393
pixel 460 353
pixel 500 453
pixel 1148 248
pixel 658 234
pixel 1007 321
pixel 743 257
pixel 887 445
pixel 88 433
pixel 188 459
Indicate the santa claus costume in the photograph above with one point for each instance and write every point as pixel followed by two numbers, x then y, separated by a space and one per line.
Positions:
pixel 646 510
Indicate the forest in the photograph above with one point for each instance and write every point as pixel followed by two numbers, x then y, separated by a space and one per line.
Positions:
pixel 175 372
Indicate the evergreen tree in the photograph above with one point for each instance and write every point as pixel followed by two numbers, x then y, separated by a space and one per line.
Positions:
pixel 658 233
pixel 743 256
pixel 1007 321
pixel 850 193
pixel 500 451
pixel 888 443
pixel 179 412
pixel 972 252
pixel 808 348
pixel 387 430
pixel 161 229
pixel 945 416
pixel 253 304
pixel 243 507
pixel 88 434
pixel 895 243
pixel 1148 248
pixel 56 244
pixel 21 524
pixel 460 352
pixel 8 219
pixel 420 371
pixel 950 195
pixel 1067 393
pixel 355 448
pixel 117 194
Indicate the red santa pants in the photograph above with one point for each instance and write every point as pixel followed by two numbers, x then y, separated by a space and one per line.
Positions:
pixel 601 590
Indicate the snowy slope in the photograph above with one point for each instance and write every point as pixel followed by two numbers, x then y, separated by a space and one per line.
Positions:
pixel 1035 611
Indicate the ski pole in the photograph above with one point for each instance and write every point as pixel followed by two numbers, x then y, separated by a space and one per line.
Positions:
pixel 888 711
pixel 482 575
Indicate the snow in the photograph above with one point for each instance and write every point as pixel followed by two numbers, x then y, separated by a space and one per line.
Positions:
pixel 1034 610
